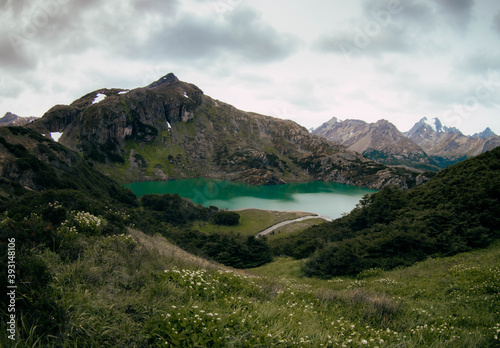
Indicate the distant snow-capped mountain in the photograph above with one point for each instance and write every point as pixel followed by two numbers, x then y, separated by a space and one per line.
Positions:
pixel 380 141
pixel 428 145
pixel 446 145
pixel 11 119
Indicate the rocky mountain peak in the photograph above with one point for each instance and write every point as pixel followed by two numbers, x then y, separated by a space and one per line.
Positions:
pixel 451 130
pixel 166 80
pixel 484 134
pixel 433 125
pixel 380 141
pixel 8 117
pixel 430 124
pixel 385 123
pixel 447 145
pixel 11 119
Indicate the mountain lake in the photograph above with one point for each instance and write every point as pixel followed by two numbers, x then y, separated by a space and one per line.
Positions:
pixel 330 200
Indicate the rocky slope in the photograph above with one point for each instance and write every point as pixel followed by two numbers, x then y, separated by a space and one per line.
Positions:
pixel 31 162
pixel 11 119
pixel 380 141
pixel 447 146
pixel 170 130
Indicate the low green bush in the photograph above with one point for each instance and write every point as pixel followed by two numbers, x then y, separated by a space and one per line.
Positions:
pixel 226 218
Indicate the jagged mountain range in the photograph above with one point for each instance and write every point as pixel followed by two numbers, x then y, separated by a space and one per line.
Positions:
pixel 170 129
pixel 427 146
pixel 10 119
pixel 448 146
pixel 380 141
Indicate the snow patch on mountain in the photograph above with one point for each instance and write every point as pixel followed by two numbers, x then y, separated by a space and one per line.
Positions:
pixel 56 135
pixel 99 98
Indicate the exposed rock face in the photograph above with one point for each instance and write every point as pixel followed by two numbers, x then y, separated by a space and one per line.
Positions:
pixel 448 145
pixel 29 161
pixel 380 141
pixel 170 130
pixel 11 119
pixel 484 134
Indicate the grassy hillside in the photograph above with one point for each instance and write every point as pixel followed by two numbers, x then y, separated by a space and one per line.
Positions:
pixel 134 290
pixel 87 275
pixel 458 210
pixel 31 162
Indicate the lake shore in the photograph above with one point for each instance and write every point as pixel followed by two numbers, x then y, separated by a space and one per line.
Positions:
pixel 323 198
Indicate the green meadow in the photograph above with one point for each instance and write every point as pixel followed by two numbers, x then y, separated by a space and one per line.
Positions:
pixel 137 290
pixel 252 221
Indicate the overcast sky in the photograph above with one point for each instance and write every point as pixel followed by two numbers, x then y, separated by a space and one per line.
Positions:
pixel 307 61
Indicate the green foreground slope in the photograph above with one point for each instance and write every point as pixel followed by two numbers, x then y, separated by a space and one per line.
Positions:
pixel 138 291
pixel 87 277
pixel 458 210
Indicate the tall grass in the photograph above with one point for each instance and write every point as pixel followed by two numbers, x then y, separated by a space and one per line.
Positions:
pixel 140 291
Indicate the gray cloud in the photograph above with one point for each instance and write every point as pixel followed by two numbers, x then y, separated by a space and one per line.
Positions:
pixel 37 25
pixel 166 7
pixel 143 29
pixel 74 26
pixel 12 56
pixel 407 12
pixel 458 12
pixel 137 31
pixel 383 27
pixel 478 63
pixel 242 35
pixel 14 7
pixel 496 23
pixel 355 42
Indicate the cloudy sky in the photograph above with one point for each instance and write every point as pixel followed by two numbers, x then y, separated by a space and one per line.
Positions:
pixel 307 61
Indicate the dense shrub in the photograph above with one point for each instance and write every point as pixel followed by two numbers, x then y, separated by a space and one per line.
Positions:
pixel 176 210
pixel 456 211
pixel 237 252
pixel 226 218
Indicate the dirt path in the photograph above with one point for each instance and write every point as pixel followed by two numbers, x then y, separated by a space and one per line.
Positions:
pixel 287 222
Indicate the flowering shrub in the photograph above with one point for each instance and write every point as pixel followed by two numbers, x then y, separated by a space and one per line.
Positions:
pixel 208 285
pixel 87 223
pixel 81 222
pixel 4 219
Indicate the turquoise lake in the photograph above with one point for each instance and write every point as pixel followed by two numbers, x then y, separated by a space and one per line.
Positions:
pixel 326 199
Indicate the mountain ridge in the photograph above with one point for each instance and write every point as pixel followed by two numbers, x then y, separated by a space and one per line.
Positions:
pixel 448 145
pixel 428 145
pixel 10 119
pixel 170 129
pixel 380 141
pixel 30 162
